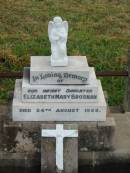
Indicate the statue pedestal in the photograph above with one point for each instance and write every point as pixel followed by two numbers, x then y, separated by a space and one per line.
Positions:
pixel 77 71
pixel 59 62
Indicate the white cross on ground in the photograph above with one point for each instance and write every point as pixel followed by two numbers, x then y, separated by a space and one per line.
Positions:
pixel 59 133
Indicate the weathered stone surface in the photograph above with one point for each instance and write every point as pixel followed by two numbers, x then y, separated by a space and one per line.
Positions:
pixel 41 72
pixel 19 160
pixel 97 135
pixel 57 111
pixel 106 133
pixel 89 154
pixel 59 93
pixel 92 135
pixel 48 155
pixel 48 160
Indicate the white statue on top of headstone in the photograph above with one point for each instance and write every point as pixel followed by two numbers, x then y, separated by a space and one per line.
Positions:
pixel 58 33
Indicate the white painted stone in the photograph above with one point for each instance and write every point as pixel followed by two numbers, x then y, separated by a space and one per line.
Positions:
pixel 77 71
pixel 59 133
pixel 57 111
pixel 58 33
pixel 60 93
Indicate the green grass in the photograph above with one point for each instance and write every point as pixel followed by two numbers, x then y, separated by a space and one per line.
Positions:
pixel 99 29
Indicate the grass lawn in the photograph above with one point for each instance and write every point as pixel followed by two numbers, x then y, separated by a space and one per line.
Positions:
pixel 99 29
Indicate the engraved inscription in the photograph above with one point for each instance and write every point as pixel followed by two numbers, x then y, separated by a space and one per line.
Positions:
pixel 59 77
pixel 67 110
pixel 63 94
pixel 92 110
pixel 25 110
pixel 59 110
pixel 59 97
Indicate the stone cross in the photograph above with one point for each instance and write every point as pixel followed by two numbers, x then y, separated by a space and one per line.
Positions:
pixel 59 133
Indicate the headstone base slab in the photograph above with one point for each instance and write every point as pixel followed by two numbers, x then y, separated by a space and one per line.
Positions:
pixel 57 111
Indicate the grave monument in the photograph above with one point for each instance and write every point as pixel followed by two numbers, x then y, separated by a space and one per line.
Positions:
pixel 59 89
